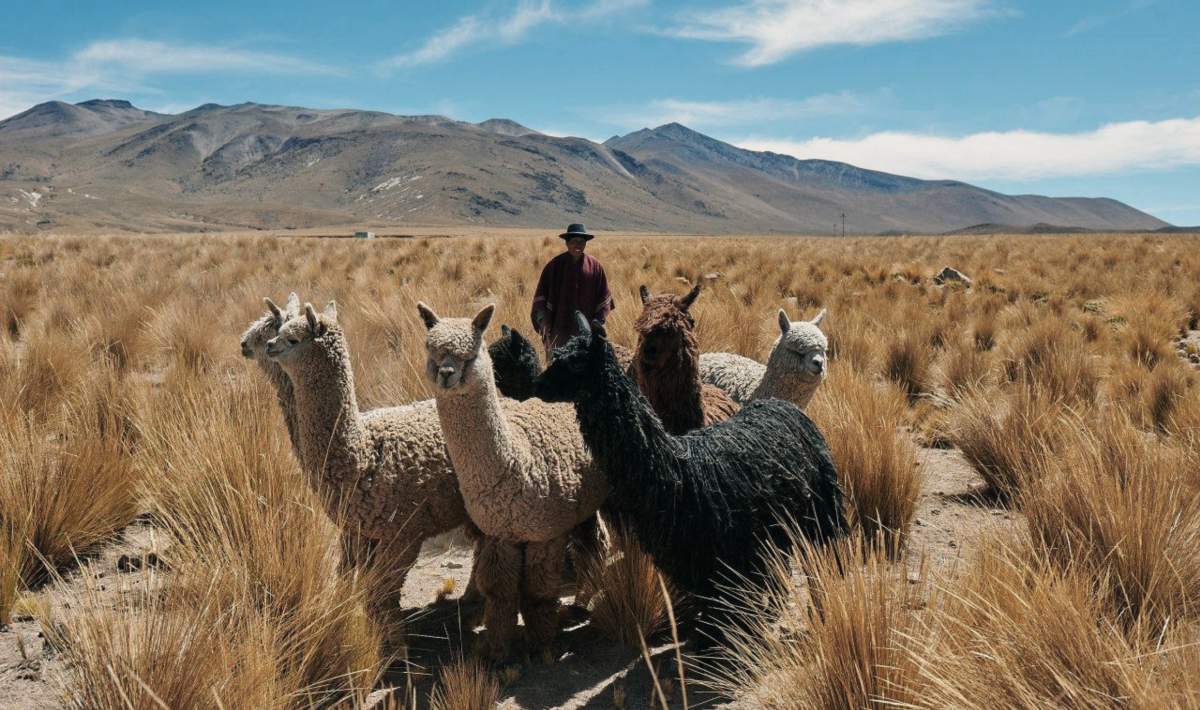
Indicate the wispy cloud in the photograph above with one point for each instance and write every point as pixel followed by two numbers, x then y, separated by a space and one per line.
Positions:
pixel 124 65
pixel 482 30
pixel 142 57
pixel 777 29
pixel 1133 146
pixel 708 114
pixel 1096 21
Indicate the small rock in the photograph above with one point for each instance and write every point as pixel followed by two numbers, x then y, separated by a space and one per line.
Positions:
pixel 918 521
pixel 452 565
pixel 935 511
pixel 128 563
pixel 29 669
pixel 953 544
pixel 951 275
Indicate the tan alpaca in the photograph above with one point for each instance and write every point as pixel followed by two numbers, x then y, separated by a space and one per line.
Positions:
pixel 385 473
pixel 525 474
pixel 254 347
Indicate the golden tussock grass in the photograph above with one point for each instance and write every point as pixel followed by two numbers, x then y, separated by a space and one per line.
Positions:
pixel 250 535
pixel 63 491
pixel 1117 504
pixel 1015 631
pixel 848 651
pixel 876 461
pixel 629 603
pixel 465 684
pixel 1007 436
pixel 128 390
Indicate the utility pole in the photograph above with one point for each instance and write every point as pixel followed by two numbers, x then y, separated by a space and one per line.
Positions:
pixel 843 224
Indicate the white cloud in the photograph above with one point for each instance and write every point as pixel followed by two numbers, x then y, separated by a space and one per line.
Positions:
pixel 776 29
pixel 140 57
pixel 731 113
pixel 481 30
pixel 121 66
pixel 1132 146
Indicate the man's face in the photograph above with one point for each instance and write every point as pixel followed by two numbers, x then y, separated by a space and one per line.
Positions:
pixel 575 246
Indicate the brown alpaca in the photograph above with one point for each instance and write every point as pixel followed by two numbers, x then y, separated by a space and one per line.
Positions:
pixel 666 365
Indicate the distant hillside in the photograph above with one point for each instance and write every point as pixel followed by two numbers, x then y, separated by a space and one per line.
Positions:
pixel 108 164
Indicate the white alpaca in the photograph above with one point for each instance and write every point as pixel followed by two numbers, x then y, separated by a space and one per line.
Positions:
pixel 794 370
pixel 526 477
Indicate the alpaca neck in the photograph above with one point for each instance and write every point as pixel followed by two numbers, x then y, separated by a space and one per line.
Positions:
pixel 287 399
pixel 674 393
pixel 478 436
pixel 333 441
pixel 622 431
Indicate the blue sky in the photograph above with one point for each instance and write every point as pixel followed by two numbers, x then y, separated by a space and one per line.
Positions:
pixel 1062 98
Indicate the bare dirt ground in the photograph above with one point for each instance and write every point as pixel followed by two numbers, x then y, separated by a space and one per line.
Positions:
pixel 590 672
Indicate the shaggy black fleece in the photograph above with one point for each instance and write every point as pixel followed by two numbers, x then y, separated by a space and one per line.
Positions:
pixel 705 504
pixel 515 364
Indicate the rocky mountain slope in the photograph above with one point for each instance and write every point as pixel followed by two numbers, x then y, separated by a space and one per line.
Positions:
pixel 107 164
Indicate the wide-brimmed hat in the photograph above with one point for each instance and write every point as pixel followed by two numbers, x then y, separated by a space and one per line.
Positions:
pixel 576 230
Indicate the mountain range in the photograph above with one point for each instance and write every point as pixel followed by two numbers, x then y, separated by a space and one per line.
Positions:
pixel 106 164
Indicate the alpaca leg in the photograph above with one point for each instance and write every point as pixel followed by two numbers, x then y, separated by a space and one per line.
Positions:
pixel 391 561
pixel 541 581
pixel 498 574
pixel 589 542
pixel 471 594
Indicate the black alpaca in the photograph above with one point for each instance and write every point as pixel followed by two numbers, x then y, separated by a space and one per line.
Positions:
pixel 706 504
pixel 515 364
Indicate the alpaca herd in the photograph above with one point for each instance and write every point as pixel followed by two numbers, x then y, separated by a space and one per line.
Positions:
pixel 531 462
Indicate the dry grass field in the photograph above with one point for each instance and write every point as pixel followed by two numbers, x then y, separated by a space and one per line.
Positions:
pixel 1021 460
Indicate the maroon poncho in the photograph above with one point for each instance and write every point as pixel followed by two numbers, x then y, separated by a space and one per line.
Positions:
pixel 566 287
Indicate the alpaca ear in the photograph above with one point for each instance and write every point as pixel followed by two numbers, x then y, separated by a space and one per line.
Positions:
pixel 819 318
pixel 505 330
pixel 427 315
pixel 784 323
pixel 331 310
pixel 293 303
pixel 483 318
pixel 274 309
pixel 581 322
pixel 687 300
pixel 314 323
pixel 644 293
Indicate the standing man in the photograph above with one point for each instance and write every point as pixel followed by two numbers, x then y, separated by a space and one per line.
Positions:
pixel 572 281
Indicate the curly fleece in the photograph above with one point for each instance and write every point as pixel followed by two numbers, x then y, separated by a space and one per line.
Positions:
pixel 384 473
pixel 788 374
pixel 672 384
pixel 708 504
pixel 525 475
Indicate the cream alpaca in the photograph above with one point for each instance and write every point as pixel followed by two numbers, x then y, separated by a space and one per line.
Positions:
pixel 385 473
pixel 254 347
pixel 525 475
pixel 794 370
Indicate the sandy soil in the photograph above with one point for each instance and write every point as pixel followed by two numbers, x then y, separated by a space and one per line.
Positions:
pixel 589 671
